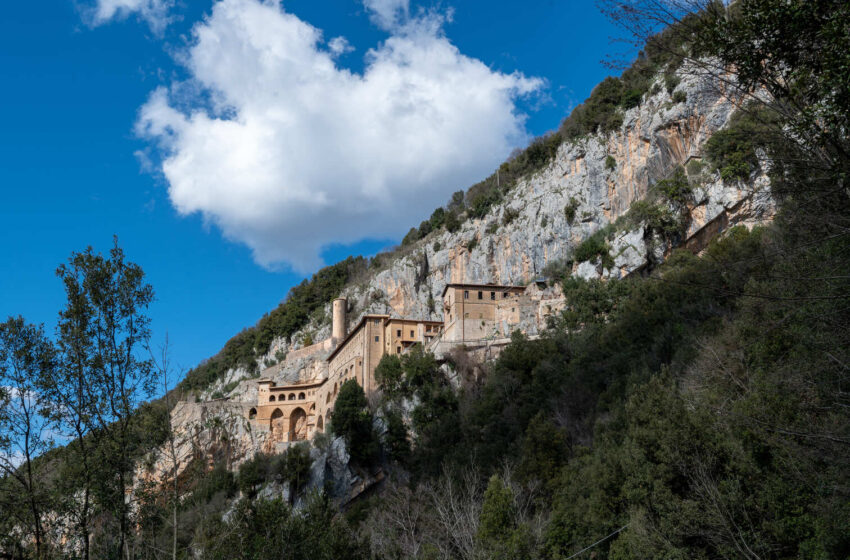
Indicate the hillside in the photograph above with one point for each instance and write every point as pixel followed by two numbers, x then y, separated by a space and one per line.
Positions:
pixel 663 373
pixel 542 220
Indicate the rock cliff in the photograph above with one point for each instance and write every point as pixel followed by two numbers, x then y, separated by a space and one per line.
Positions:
pixel 598 177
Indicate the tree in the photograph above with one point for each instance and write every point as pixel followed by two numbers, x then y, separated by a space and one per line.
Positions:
pixel 390 375
pixel 352 420
pixel 100 382
pixel 26 357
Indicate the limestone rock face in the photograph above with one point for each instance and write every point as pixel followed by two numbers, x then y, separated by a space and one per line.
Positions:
pixel 655 138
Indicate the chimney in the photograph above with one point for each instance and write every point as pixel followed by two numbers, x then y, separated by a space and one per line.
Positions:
pixel 338 328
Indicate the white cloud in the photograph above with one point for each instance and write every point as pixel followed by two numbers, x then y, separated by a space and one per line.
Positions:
pixel 339 45
pixel 286 152
pixel 388 14
pixel 154 12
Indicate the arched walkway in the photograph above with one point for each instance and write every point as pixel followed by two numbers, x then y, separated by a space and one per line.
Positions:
pixel 298 425
pixel 276 425
pixel 252 414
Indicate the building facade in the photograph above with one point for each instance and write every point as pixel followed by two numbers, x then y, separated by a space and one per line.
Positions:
pixel 298 411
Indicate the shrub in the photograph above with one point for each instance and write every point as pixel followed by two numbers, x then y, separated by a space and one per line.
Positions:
pixel 675 188
pixel 570 210
pixel 557 269
pixel 610 163
pixel 680 96
pixel 452 222
pixel 509 215
pixel 472 244
pixel 436 246
pixel 671 80
pixel 492 228
pixel 595 246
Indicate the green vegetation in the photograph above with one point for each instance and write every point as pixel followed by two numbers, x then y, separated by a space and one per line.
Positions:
pixel 271 529
pixel 700 411
pixel 570 210
pixel 732 151
pixel 352 420
pixel 610 163
pixel 303 301
pixel 596 246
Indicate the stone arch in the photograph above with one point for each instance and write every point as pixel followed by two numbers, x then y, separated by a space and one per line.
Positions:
pixel 277 425
pixel 271 398
pixel 252 414
pixel 301 396
pixel 320 425
pixel 292 396
pixel 298 425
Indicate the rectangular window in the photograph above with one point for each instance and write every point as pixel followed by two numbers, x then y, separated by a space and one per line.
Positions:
pixel 480 295
pixel 492 295
pixel 377 338
pixel 398 333
pixel 377 321
pixel 466 315
pixel 466 294
pixel 398 350
pixel 411 334
pixel 504 294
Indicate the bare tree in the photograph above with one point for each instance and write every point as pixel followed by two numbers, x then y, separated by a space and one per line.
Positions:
pixel 163 367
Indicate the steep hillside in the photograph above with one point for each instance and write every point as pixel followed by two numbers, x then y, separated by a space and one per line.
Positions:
pixel 588 187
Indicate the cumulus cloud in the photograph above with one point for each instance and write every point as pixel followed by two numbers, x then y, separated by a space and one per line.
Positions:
pixel 388 14
pixel 285 151
pixel 154 12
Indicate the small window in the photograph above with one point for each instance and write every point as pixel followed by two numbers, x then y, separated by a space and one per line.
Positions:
pixel 377 321
pixel 398 350
pixel 466 294
pixel 377 338
pixel 513 309
pixel 480 295
pixel 504 294
pixel 480 315
pixel 492 295
pixel 411 334
pixel 398 333
pixel 466 315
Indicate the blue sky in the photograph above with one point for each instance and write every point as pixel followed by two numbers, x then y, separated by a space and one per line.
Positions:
pixel 85 149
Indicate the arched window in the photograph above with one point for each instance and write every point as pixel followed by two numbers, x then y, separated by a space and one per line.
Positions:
pixel 301 396
pixel 271 398
pixel 320 425
pixel 327 398
pixel 252 414
pixel 292 396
